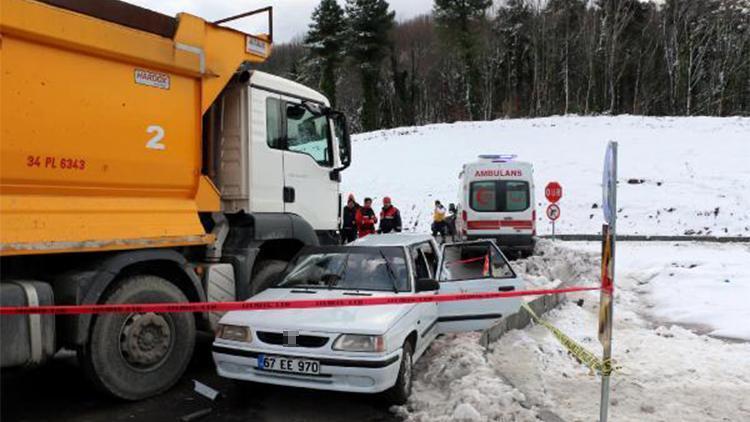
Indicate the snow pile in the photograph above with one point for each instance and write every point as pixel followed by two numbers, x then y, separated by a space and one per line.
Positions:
pixel 677 175
pixel 455 382
pixel 553 263
pixel 669 372
pixel 703 286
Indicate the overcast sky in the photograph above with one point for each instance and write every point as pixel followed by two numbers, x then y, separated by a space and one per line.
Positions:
pixel 291 17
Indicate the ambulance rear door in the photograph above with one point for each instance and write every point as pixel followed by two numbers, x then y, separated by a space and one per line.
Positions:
pixel 499 200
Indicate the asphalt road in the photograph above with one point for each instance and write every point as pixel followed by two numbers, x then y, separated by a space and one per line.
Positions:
pixel 59 392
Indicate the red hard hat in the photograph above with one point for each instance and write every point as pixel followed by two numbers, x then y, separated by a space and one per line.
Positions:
pixel 387 200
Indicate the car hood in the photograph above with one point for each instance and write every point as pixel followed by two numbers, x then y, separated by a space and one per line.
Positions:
pixel 346 319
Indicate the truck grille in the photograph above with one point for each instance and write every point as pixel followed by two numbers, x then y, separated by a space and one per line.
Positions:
pixel 298 341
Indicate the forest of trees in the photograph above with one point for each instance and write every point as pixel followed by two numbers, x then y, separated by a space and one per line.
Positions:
pixel 479 60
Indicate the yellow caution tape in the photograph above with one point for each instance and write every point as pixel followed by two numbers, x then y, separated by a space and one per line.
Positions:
pixel 581 354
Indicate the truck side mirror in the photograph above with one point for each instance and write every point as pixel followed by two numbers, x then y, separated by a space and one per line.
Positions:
pixel 345 142
pixel 426 285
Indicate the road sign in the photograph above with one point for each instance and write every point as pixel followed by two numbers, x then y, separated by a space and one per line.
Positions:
pixel 553 212
pixel 553 192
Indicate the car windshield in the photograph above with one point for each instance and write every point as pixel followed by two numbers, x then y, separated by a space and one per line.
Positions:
pixel 348 268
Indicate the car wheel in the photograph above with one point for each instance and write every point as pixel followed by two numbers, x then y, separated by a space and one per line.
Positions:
pixel 265 274
pixel 139 355
pixel 399 393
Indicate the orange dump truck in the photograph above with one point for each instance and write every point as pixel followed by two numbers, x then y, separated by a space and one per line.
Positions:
pixel 143 159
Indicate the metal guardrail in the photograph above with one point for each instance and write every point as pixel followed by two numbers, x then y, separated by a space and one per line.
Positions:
pixel 655 238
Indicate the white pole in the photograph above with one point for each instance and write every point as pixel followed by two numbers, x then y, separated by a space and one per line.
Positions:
pixel 607 354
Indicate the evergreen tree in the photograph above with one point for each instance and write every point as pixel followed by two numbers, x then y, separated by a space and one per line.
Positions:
pixel 325 41
pixel 460 23
pixel 368 44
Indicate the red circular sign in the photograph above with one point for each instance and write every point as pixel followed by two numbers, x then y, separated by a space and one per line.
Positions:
pixel 553 212
pixel 553 192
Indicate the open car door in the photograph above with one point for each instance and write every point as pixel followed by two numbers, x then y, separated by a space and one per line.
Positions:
pixel 475 267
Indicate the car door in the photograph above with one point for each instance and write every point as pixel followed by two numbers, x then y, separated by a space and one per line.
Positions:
pixel 422 267
pixel 475 267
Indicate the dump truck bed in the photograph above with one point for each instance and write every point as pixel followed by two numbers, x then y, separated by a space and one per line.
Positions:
pixel 100 121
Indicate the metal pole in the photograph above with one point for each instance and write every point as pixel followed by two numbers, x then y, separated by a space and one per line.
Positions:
pixel 553 229
pixel 607 354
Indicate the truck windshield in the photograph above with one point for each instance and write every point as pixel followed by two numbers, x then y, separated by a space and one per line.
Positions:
pixel 499 196
pixel 376 269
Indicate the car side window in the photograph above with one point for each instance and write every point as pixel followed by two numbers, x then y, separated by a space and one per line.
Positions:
pixel 430 256
pixel 420 263
pixel 473 261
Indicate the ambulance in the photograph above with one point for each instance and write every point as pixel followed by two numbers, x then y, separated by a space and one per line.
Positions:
pixel 496 201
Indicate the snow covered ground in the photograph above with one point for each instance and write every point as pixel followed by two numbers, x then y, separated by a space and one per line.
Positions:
pixel 694 171
pixel 669 372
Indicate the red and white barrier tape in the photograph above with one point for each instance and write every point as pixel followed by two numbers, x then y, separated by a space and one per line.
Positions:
pixel 275 304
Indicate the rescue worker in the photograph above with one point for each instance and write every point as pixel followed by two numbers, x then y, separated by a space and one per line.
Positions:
pixel 366 219
pixel 390 217
pixel 450 221
pixel 438 220
pixel 349 223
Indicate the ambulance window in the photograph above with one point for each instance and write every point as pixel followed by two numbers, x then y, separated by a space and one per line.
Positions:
pixel 483 196
pixel 516 196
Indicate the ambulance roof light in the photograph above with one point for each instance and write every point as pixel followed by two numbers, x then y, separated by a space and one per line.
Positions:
pixel 498 158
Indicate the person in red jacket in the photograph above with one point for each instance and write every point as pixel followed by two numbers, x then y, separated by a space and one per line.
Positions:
pixel 390 217
pixel 366 219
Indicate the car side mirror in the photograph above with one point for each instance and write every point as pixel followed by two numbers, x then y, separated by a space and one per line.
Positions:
pixel 427 285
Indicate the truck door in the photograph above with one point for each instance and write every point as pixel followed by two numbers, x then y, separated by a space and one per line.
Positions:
pixel 266 152
pixel 311 187
pixel 475 267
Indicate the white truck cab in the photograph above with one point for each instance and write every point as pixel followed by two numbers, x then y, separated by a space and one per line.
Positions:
pixel 496 201
pixel 284 140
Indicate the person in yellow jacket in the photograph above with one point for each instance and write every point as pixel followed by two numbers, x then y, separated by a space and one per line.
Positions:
pixel 438 220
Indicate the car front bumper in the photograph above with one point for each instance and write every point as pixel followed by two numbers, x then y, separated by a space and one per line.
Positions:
pixel 363 375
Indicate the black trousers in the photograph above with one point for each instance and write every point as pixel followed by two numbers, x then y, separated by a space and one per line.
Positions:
pixel 348 234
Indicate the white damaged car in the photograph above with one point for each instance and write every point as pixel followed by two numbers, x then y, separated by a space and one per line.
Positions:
pixel 366 349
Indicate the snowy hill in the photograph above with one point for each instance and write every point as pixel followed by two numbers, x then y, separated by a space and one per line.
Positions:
pixel 677 175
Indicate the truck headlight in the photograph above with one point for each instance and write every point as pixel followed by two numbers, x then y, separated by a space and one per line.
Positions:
pixel 359 343
pixel 234 333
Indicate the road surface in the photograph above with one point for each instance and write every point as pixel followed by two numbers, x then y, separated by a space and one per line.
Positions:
pixel 59 392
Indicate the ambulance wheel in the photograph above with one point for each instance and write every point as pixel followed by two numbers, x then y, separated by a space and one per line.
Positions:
pixel 139 355
pixel 399 393
pixel 265 273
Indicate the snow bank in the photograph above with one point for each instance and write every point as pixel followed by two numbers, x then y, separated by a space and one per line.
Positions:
pixel 455 382
pixel 669 372
pixel 703 286
pixel 677 175
pixel 554 263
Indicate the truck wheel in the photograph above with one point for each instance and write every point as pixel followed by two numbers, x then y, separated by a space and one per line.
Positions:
pixel 134 356
pixel 399 393
pixel 265 274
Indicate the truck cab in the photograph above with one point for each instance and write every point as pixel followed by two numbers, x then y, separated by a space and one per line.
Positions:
pixel 496 201
pixel 280 148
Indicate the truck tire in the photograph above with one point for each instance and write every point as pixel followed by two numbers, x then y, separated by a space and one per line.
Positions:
pixel 265 274
pixel 400 392
pixel 134 356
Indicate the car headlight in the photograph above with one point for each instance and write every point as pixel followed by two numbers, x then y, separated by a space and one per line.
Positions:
pixel 359 343
pixel 234 333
